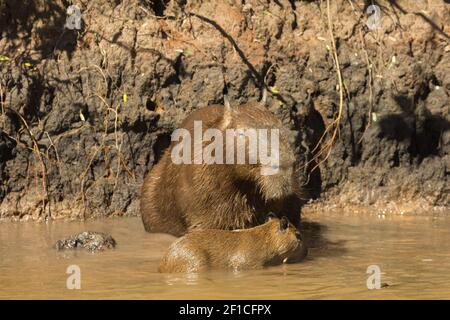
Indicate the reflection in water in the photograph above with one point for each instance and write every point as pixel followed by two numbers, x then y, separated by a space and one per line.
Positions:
pixel 187 279
pixel 315 239
pixel 413 254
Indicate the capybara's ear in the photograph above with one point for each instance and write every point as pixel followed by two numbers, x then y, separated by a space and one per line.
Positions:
pixel 284 223
pixel 271 216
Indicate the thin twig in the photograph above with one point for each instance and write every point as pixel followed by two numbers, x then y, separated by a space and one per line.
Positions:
pixel 41 160
pixel 335 124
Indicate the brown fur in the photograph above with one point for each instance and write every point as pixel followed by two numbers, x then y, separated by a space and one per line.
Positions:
pixel 265 245
pixel 177 198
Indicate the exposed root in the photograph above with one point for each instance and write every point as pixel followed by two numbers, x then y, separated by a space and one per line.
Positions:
pixel 118 140
pixel 334 126
pixel 46 198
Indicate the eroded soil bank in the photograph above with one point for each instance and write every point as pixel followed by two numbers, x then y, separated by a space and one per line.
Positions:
pixel 85 113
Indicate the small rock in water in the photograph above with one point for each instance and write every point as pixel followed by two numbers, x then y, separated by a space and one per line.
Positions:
pixel 93 241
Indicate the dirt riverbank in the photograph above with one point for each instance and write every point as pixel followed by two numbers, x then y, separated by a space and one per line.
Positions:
pixel 85 113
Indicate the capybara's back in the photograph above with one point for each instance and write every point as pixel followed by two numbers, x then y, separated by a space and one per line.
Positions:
pixel 268 244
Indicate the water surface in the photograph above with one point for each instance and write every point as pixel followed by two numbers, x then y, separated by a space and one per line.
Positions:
pixel 412 252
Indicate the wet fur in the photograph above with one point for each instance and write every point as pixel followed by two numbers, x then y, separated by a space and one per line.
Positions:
pixel 253 248
pixel 178 198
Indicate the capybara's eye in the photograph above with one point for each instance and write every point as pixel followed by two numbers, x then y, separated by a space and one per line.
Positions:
pixel 284 223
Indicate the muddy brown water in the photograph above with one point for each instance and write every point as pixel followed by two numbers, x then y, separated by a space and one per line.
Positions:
pixel 412 252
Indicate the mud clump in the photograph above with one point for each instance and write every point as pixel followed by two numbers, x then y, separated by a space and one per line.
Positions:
pixel 90 240
pixel 268 244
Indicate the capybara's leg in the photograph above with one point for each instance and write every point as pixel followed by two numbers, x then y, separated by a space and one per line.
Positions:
pixel 157 221
pixel 159 211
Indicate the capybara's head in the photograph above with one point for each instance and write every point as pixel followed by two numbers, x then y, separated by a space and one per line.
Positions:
pixel 285 240
pixel 269 152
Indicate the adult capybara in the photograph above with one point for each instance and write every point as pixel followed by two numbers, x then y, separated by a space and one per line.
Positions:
pixel 176 197
pixel 265 245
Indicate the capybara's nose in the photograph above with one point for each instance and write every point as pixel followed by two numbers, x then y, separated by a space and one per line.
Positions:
pixel 298 235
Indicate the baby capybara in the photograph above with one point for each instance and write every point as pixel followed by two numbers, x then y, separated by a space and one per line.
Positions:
pixel 265 245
